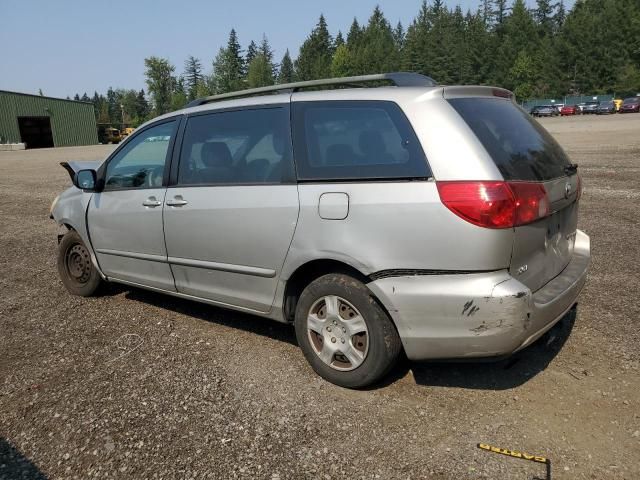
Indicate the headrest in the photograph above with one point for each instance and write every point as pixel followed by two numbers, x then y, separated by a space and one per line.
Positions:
pixel 216 154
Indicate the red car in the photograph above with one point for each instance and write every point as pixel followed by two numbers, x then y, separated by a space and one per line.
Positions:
pixel 630 105
pixel 569 110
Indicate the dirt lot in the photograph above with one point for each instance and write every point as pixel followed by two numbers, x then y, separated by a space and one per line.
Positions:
pixel 136 385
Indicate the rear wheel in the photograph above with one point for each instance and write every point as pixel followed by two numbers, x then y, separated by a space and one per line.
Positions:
pixel 344 333
pixel 76 270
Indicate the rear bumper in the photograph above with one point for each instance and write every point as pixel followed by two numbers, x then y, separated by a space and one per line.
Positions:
pixel 480 314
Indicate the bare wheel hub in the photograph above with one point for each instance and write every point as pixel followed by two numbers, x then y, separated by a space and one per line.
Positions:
pixel 338 333
pixel 78 263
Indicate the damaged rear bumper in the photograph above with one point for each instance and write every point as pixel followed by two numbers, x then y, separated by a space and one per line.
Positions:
pixel 478 314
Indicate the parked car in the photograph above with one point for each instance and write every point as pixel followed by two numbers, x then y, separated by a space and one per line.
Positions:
pixel 590 107
pixel 569 110
pixel 630 105
pixel 438 220
pixel 606 108
pixel 581 108
pixel 545 111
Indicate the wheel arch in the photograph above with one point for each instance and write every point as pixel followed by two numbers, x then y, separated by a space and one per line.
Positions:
pixel 306 273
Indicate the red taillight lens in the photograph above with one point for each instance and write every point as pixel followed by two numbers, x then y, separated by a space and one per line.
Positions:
pixel 531 202
pixel 495 204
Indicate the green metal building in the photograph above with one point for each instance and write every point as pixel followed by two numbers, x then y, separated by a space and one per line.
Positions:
pixel 41 122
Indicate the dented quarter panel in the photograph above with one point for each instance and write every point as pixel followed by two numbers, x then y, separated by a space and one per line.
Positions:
pixel 478 315
pixel 447 316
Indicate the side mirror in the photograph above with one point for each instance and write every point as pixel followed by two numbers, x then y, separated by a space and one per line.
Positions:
pixel 86 180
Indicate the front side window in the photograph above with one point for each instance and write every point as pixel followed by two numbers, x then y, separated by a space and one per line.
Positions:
pixel 342 140
pixel 237 147
pixel 140 163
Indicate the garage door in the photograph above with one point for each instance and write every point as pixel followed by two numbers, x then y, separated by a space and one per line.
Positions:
pixel 35 132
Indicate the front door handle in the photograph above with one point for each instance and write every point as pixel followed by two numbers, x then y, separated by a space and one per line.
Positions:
pixel 151 202
pixel 177 201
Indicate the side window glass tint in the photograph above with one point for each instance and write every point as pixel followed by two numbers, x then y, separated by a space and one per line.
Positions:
pixel 237 147
pixel 140 163
pixel 355 140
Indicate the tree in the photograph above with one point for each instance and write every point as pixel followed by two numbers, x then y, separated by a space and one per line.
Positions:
pixel 544 16
pixel 252 51
pixel 141 107
pixel 523 76
pixel 376 50
pixel 76 97
pixel 314 59
pixel 560 16
pixel 113 107
pixel 499 13
pixel 341 62
pixel 354 34
pixel 519 36
pixel 85 97
pixel 192 76
pixel 97 104
pixel 266 51
pixel 628 82
pixel 179 94
pixel 228 67
pixel 40 92
pixel 159 78
pixel 338 41
pixel 260 72
pixel 286 69
pixel 398 36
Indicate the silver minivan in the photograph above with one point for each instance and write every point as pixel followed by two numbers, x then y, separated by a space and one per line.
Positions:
pixel 377 214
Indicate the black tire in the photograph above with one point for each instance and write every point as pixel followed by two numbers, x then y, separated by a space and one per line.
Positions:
pixel 77 272
pixel 383 342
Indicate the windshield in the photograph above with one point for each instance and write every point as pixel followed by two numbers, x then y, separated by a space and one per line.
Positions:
pixel 629 101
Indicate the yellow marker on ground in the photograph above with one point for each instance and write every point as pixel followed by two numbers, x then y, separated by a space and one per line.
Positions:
pixel 515 454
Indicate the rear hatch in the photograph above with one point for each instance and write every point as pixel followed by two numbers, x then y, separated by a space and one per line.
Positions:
pixel 524 151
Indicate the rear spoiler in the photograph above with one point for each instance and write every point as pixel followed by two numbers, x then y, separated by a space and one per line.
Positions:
pixel 477 91
pixel 74 166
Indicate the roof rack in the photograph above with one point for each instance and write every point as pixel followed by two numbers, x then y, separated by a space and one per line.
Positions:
pixel 399 79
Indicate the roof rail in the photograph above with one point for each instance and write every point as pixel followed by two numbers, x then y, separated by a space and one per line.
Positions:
pixel 399 79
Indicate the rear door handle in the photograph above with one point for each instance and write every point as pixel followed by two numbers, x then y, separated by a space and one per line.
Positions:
pixel 151 202
pixel 177 201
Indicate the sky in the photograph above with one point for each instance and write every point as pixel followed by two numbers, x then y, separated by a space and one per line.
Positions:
pixel 66 47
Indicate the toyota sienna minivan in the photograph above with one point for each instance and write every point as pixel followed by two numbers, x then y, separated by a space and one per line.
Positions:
pixel 377 214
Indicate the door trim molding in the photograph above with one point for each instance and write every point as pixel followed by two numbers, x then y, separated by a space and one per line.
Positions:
pixel 223 267
pixel 189 262
pixel 140 256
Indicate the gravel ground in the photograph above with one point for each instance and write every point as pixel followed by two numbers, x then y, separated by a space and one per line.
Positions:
pixel 137 385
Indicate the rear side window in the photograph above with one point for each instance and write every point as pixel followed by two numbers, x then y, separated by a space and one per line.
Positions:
pixel 237 147
pixel 354 140
pixel 520 147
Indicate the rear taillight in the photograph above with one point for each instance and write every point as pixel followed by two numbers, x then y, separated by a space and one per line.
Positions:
pixel 495 204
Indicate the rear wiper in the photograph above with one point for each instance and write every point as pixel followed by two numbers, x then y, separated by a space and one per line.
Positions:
pixel 571 168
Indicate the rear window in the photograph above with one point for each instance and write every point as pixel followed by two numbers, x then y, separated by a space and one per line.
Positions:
pixel 345 140
pixel 520 147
